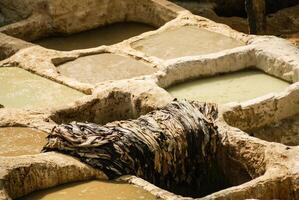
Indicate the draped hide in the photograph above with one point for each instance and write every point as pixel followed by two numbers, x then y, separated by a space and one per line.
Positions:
pixel 170 146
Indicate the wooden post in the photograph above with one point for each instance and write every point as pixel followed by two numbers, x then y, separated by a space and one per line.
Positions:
pixel 256 14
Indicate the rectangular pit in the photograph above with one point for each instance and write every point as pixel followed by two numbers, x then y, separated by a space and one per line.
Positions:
pixel 233 87
pixel 227 170
pixel 22 89
pixel 195 40
pixel 107 35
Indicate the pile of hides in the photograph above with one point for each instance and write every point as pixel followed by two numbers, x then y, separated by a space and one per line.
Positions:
pixel 169 146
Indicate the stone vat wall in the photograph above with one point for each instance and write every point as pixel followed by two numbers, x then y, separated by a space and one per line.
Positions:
pixel 272 167
pixel 263 111
pixel 46 17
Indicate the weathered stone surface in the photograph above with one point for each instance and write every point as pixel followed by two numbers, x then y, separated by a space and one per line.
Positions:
pixel 66 17
pixel 13 11
pixel 272 166
pixel 29 173
pixel 9 46
pixel 115 101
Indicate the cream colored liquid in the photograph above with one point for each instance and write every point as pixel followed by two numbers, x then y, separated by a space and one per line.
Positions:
pixel 237 87
pixel 185 41
pixel 107 35
pixel 93 190
pixel 104 67
pixel 16 141
pixel 22 89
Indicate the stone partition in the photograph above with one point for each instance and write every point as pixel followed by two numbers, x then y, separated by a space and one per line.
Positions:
pixel 115 101
pixel 265 110
pixel 30 173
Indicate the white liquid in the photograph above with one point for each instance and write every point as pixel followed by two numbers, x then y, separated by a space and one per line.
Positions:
pixel 238 87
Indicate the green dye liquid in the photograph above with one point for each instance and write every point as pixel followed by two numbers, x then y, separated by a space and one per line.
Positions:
pixel 22 89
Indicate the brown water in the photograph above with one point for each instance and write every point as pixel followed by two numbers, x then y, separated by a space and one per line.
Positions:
pixel 93 190
pixel 22 89
pixel 238 86
pixel 106 35
pixel 103 67
pixel 185 41
pixel 16 141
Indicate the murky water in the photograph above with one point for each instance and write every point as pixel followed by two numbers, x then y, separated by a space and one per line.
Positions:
pixel 16 141
pixel 106 35
pixel 93 190
pixel 22 89
pixel 103 67
pixel 185 41
pixel 238 86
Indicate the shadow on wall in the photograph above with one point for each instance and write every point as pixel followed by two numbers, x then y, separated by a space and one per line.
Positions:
pixel 117 105
pixel 235 8
pixel 227 171
pixel 12 11
pixel 6 51
pixel 232 8
pixel 275 119
pixel 284 131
